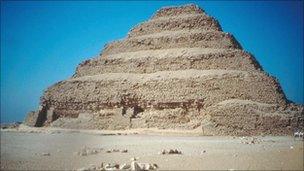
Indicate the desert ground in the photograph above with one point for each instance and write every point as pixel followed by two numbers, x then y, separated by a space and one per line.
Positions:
pixel 58 149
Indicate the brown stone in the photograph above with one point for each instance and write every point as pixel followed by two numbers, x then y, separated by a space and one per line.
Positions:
pixel 179 70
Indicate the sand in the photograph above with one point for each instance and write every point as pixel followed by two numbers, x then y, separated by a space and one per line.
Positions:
pixel 21 150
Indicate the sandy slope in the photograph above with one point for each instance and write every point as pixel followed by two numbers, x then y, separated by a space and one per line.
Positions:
pixel 24 150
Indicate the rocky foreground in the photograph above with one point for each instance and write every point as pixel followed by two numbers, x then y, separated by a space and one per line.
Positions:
pixel 58 149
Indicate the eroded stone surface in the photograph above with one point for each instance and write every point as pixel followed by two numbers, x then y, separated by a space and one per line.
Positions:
pixel 178 70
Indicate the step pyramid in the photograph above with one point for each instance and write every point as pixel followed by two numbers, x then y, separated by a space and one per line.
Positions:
pixel 178 70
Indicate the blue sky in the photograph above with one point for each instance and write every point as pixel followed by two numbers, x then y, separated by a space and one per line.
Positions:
pixel 42 42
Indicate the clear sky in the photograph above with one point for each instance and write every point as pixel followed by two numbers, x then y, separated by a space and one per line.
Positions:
pixel 42 42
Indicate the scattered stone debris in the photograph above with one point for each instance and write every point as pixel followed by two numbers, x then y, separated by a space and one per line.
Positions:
pixel 147 166
pixel 10 125
pixel 204 151
pixel 170 151
pixel 298 135
pixel 116 150
pixel 134 166
pixel 85 151
pixel 111 166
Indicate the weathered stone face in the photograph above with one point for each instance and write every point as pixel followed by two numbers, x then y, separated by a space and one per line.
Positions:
pixel 176 70
pixel 37 118
pixel 31 118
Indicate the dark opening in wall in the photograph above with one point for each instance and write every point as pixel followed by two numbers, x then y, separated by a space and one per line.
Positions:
pixel 124 111
pixel 136 110
pixel 55 116
pixel 41 117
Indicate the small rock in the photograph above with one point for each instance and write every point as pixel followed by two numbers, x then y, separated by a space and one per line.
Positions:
pixel 171 151
pixel 162 152
pixel 108 151
pixel 112 166
pixel 94 152
pixel 116 165
pixel 134 158
pixel 155 166
pixel 291 147
pixel 109 167
pixel 125 166
pixel 135 166
pixel 124 151
pixel 149 167
pixel 46 154
pixel 144 166
pixel 115 150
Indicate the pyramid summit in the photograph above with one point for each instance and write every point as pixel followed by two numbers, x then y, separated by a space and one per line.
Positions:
pixel 178 70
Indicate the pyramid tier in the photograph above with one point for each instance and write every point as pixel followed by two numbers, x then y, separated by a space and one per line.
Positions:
pixel 160 90
pixel 175 11
pixel 229 117
pixel 245 117
pixel 183 22
pixel 173 39
pixel 149 61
